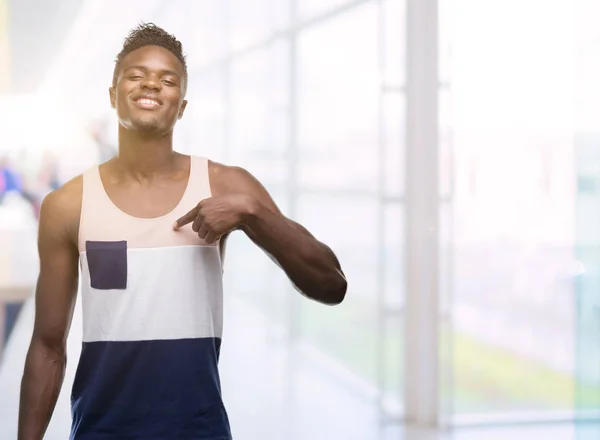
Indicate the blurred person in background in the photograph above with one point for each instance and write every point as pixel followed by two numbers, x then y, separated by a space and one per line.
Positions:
pixel 2 182
pixel 148 230
pixel 11 180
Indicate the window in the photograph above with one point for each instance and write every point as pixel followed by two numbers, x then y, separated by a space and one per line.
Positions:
pixel 394 137
pixel 358 334
pixel 587 163
pixel 311 8
pixel 260 113
pixel 252 276
pixel 347 333
pixel 201 131
pixel 391 317
pixel 207 32
pixel 513 243
pixel 255 20
pixel 394 42
pixel 338 102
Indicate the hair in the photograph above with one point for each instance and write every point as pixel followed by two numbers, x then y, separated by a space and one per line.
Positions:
pixel 149 34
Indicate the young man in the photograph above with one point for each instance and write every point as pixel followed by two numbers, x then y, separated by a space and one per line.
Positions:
pixel 146 230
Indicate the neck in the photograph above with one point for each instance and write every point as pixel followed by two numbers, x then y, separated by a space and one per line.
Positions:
pixel 145 154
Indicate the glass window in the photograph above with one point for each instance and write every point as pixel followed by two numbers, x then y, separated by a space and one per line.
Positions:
pixel 254 20
pixel 311 8
pixel 260 113
pixel 201 131
pixel 207 32
pixel 394 42
pixel 445 39
pixel 249 21
pixel 587 140
pixel 251 276
pixel 338 102
pixel 445 333
pixel 446 144
pixel 394 120
pixel 392 343
pixel 391 351
pixel 587 66
pixel 514 208
pixel 393 256
pixel 246 270
pixel 348 333
pixel 279 14
pixel 174 20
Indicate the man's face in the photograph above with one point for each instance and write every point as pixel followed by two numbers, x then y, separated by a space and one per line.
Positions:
pixel 150 89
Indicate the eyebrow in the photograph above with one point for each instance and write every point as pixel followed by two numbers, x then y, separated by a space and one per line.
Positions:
pixel 145 69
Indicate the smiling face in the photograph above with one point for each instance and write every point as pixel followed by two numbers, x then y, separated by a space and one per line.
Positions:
pixel 149 90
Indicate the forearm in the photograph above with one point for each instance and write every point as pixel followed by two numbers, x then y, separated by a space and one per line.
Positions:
pixel 309 264
pixel 40 387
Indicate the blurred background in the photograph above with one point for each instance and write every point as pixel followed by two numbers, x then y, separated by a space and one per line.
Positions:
pixel 447 150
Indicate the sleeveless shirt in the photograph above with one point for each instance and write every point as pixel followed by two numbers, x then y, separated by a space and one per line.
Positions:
pixel 152 303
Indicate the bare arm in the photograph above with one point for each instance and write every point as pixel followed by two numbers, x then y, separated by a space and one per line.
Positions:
pixel 54 302
pixel 309 264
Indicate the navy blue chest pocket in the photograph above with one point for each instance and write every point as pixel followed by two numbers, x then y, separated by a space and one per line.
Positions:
pixel 107 262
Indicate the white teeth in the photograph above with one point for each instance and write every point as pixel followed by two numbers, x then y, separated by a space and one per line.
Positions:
pixel 147 102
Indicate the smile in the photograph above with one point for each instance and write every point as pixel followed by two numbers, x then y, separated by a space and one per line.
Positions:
pixel 147 103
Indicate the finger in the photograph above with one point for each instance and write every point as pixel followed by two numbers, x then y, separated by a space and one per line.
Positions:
pixel 198 221
pixel 211 238
pixel 187 218
pixel 203 231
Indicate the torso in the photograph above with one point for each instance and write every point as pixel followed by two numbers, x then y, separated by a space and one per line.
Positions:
pixel 152 306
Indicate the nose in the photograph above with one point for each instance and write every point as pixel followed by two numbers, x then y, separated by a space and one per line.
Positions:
pixel 150 82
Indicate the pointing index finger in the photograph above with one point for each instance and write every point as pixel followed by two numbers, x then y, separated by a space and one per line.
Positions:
pixel 187 218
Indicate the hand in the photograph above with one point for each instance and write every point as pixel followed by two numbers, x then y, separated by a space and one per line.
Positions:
pixel 216 216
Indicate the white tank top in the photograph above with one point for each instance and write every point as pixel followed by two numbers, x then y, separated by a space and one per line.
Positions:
pixel 152 301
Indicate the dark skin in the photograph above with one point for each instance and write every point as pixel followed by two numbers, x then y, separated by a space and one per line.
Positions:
pixel 147 179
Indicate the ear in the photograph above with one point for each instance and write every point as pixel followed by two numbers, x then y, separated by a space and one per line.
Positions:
pixel 182 109
pixel 113 97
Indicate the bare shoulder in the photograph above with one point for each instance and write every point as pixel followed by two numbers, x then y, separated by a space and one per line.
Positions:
pixel 227 179
pixel 233 179
pixel 61 210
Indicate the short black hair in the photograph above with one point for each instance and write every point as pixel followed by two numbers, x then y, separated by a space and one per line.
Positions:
pixel 149 34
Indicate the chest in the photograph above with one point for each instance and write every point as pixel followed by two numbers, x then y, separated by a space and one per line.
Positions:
pixel 147 199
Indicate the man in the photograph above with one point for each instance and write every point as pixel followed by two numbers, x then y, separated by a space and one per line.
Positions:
pixel 147 229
